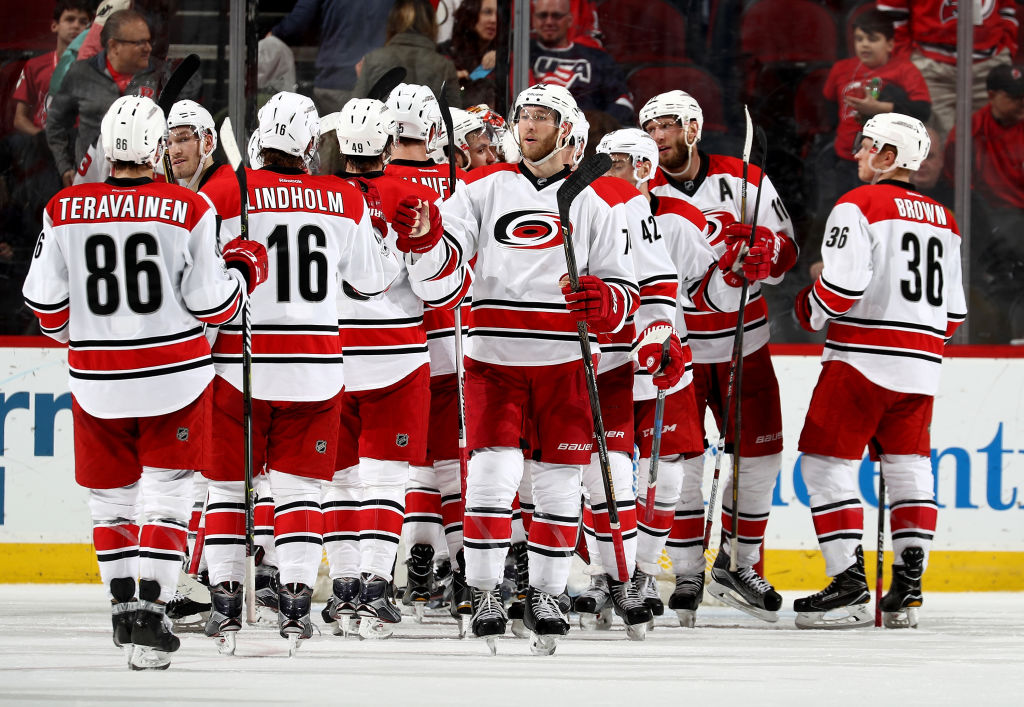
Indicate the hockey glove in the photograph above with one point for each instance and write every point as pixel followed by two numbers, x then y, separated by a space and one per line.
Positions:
pixel 659 350
pixel 372 198
pixel 600 306
pixel 248 258
pixel 418 225
pixel 802 308
pixel 108 8
pixel 756 262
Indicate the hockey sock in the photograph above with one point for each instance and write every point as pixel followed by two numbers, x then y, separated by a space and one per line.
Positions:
pixel 652 536
pixel 913 512
pixel 552 536
pixel 225 532
pixel 199 489
pixel 165 496
pixel 595 565
pixel 382 513
pixel 422 508
pixel 115 535
pixel 298 527
pixel 622 482
pixel 835 508
pixel 452 508
pixel 263 519
pixel 757 479
pixel 494 476
pixel 526 506
pixel 341 502
pixel 518 529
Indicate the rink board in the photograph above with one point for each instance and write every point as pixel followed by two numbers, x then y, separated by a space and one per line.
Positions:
pixel 977 439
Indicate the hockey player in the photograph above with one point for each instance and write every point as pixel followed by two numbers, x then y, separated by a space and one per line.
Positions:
pixel 319 231
pixel 472 142
pixel 127 271
pixel 419 135
pixel 891 295
pixel 387 362
pixel 714 184
pixel 523 373
pixel 191 141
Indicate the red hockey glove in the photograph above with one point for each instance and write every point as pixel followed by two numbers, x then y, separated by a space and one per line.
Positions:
pixel 250 259
pixel 802 307
pixel 409 225
pixel 597 304
pixel 755 263
pixel 659 350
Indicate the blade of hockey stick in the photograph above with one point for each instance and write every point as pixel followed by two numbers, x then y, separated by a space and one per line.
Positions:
pixel 589 170
pixel 386 84
pixel 227 141
pixel 169 96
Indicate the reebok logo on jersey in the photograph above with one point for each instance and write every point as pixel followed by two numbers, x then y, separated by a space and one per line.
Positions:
pixel 402 440
pixel 321 446
pixel 182 434
pixel 528 229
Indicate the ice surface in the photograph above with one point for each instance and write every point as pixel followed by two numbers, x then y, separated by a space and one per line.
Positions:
pixel 55 645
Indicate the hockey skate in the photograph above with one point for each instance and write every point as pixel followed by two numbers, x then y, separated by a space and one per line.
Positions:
pixel 123 606
pixel 266 593
pixel 517 606
pixel 842 604
pixel 647 587
pixel 376 608
pixel 744 589
pixel 900 604
pixel 545 621
pixel 152 639
pixel 226 615
pixel 461 606
pixel 594 605
pixel 687 597
pixel 630 608
pixel 489 617
pixel 341 607
pixel 294 602
pixel 189 609
pixel 420 578
pixel 441 587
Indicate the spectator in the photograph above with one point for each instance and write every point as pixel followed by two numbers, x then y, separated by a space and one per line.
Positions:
pixel 70 18
pixel 124 67
pixel 471 49
pixel 926 34
pixel 997 213
pixel 412 44
pixel 348 29
pixel 872 82
pixel 590 74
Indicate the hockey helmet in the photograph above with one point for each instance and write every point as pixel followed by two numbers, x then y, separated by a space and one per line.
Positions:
pixel 578 136
pixel 908 135
pixel 558 99
pixel 635 143
pixel 190 114
pixel 678 104
pixel 365 127
pixel 463 124
pixel 253 149
pixel 289 122
pixel 501 137
pixel 133 130
pixel 417 112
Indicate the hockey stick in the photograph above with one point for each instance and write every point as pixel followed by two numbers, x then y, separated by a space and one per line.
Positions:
pixel 460 364
pixel 589 170
pixel 659 420
pixel 880 560
pixel 227 136
pixel 169 96
pixel 380 90
pixel 720 449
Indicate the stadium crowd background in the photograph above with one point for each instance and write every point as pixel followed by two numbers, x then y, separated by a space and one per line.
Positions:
pixel 804 68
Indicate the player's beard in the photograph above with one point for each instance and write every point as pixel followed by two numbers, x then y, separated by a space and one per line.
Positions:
pixel 534 151
pixel 678 157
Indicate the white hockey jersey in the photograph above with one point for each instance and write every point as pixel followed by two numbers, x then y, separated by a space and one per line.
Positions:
pixel 717 191
pixel 891 286
pixel 127 272
pixel 319 241
pixel 508 218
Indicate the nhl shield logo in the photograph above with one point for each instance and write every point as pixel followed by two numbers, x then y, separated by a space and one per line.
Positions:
pixel 321 446
pixel 182 434
pixel 402 440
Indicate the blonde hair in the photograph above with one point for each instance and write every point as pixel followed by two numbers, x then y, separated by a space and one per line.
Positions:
pixel 412 16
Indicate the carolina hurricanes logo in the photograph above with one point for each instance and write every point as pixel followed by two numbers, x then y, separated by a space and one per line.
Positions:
pixel 717 220
pixel 528 229
pixel 948 10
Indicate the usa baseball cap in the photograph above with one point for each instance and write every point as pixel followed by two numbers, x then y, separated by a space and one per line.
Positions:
pixel 1006 78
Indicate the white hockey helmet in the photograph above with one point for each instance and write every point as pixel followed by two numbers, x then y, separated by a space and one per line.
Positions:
pixel 254 150
pixel 558 99
pixel 133 130
pixel 463 124
pixel 501 137
pixel 635 143
pixel 417 112
pixel 289 122
pixel 678 104
pixel 364 127
pixel 190 114
pixel 908 135
pixel 579 136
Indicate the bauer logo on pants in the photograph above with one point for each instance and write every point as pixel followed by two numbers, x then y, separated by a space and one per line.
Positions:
pixel 402 440
pixel 183 434
pixel 321 446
